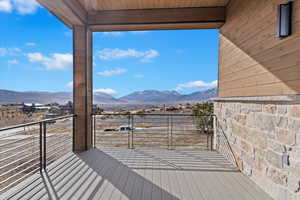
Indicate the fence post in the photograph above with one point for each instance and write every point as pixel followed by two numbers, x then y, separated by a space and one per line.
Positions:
pixel 45 146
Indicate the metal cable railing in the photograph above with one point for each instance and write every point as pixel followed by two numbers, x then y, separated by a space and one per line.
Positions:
pixel 223 145
pixel 29 148
pixel 154 130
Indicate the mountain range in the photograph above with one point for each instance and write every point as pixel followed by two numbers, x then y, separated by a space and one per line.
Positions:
pixel 146 96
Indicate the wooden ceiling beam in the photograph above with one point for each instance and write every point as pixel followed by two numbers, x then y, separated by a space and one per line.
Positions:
pixel 70 12
pixel 148 27
pixel 100 5
pixel 157 16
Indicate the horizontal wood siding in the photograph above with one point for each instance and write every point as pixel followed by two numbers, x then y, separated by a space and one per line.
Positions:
pixel 252 60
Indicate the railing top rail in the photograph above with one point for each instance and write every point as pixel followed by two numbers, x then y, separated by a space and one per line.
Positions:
pixel 154 114
pixel 36 122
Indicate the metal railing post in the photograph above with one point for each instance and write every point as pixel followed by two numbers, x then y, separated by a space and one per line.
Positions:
pixel 132 129
pixel 169 133
pixel 171 140
pixel 45 146
pixel 212 135
pixel 207 140
pixel 128 133
pixel 206 129
pixel 94 132
pixel 218 136
pixel 73 133
pixel 41 146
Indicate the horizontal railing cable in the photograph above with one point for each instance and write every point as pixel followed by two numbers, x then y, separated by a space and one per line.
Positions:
pixel 11 149
pixel 16 141
pixel 153 129
pixel 18 180
pixel 6 180
pixel 26 151
pixel 16 161
pixel 36 122
pixel 11 170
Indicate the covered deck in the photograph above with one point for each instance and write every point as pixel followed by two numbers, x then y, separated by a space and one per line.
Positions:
pixel 143 173
pixel 255 67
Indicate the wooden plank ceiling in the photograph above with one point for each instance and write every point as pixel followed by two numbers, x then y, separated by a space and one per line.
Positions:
pixel 116 15
pixel 102 5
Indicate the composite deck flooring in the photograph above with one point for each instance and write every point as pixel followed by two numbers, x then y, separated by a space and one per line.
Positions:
pixel 139 174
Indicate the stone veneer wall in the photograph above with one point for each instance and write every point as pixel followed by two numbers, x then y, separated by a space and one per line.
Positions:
pixel 260 137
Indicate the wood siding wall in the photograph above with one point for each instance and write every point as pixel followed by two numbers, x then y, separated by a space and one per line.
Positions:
pixel 252 61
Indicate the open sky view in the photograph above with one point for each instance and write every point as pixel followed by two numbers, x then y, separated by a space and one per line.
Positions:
pixel 36 55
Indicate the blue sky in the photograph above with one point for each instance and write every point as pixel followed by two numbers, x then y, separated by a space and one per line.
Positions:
pixel 36 55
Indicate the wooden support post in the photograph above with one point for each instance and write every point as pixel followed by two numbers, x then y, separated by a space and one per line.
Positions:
pixel 82 88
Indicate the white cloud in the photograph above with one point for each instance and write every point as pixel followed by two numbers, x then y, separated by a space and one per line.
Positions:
pixel 10 51
pixel 106 91
pixel 25 6
pixel 111 54
pixel 70 84
pixel 55 62
pixel 30 44
pixel 112 72
pixel 21 6
pixel 5 6
pixel 113 33
pixel 197 84
pixel 118 33
pixel 139 76
pixel 139 32
pixel 13 62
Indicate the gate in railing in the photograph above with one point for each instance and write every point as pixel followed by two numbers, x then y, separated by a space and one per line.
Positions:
pixel 170 131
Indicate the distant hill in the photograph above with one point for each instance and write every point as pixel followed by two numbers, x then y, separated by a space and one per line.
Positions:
pixel 152 96
pixel 104 98
pixel 200 96
pixel 10 97
pixel 147 96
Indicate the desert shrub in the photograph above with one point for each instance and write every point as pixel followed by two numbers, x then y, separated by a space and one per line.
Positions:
pixel 203 116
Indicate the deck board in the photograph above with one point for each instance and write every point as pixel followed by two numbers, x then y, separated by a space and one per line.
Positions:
pixel 139 174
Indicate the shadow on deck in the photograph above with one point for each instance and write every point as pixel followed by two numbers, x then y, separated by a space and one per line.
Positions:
pixel 138 174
